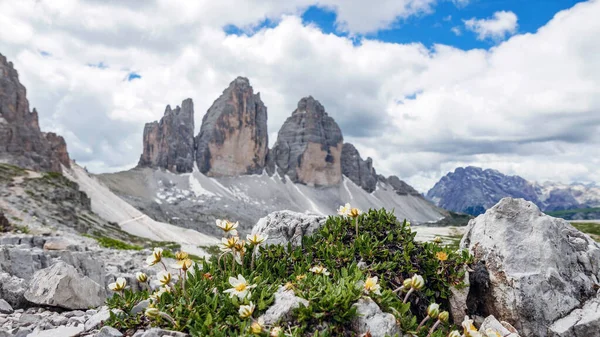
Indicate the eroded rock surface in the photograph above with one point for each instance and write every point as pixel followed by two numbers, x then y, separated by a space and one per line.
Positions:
pixel 309 146
pixel 233 139
pixel 287 226
pixel 360 171
pixel 533 269
pixel 169 143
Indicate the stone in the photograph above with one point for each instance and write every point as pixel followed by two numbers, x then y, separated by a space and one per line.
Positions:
pixel 492 323
pixel 28 319
pixel 12 290
pixel 309 146
pixel 287 226
pixel 26 331
pixel 58 244
pixel 458 301
pixel 360 171
pixel 285 303
pixel 169 143
pixel 62 331
pixel 108 331
pixel 5 225
pixel 5 308
pixel 370 319
pixel 21 141
pixel 233 138
pixel 95 320
pixel 22 262
pixel 59 320
pixel 531 269
pixel 157 332
pixel 140 307
pixel 580 322
pixel 61 286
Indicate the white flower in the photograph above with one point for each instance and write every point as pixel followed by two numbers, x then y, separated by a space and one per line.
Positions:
pixel 454 333
pixel 256 239
pixel 344 210
pixel 469 329
pixel 320 270
pixel 183 264
pixel 164 277
pixel 492 333
pixel 157 294
pixel 370 286
pixel 246 310
pixel 228 244
pixel 275 331
pixel 258 326
pixel 155 258
pixel 141 277
pixel 241 288
pixel 417 282
pixel 228 226
pixel 118 285
pixel 433 310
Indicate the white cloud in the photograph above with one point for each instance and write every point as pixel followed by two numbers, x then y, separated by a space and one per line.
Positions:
pixel 456 30
pixel 501 24
pixel 528 106
pixel 461 3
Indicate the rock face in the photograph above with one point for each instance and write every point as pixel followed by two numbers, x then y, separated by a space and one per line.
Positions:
pixel 61 286
pixel 532 269
pixel 169 144
pixel 399 186
pixel 372 320
pixel 360 171
pixel 287 226
pixel 21 141
pixel 233 138
pixel 580 322
pixel 309 146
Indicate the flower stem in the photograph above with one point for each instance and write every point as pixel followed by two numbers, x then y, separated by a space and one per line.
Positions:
pixel 408 294
pixel 422 323
pixel 356 225
pixel 163 264
pixel 252 261
pixel 433 327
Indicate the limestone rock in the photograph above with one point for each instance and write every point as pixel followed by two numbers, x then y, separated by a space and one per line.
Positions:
pixel 5 308
pixel 22 262
pixel 61 286
pixel 372 320
pixel 285 303
pixel 287 226
pixel 458 301
pixel 360 171
pixel 21 141
pixel 108 331
pixel 169 144
pixel 12 290
pixel 580 322
pixel 233 138
pixel 503 328
pixel 309 146
pixel 97 319
pixel 539 268
pixel 62 331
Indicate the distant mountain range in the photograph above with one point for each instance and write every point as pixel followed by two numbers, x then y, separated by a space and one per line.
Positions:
pixel 473 190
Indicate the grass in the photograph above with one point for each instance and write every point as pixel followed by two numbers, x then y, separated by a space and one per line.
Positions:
pixel 560 214
pixel 111 243
pixel 590 228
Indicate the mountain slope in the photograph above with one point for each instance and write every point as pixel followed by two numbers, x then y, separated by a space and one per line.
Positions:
pixel 473 190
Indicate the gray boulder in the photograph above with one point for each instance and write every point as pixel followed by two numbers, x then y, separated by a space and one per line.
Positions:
pixel 309 146
pixel 287 226
pixel 61 286
pixel 61 331
pixel 533 269
pixel 233 138
pixel 169 143
pixel 372 320
pixel 22 262
pixel 108 331
pixel 5 308
pixel 582 322
pixel 12 290
pixel 285 303
pixel 360 171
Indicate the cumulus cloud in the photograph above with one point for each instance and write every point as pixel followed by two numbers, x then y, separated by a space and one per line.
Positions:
pixel 456 30
pixel 524 107
pixel 497 27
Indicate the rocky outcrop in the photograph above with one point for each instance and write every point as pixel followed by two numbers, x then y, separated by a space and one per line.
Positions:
pixel 233 139
pixel 360 171
pixel 21 141
pixel 169 143
pixel 582 322
pixel 285 227
pixel 309 146
pixel 372 321
pixel 531 269
pixel 399 186
pixel 285 303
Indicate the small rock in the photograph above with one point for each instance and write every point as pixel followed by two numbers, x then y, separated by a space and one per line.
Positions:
pixel 156 332
pixel 97 319
pixel 140 307
pixel 28 319
pixel 580 322
pixel 371 319
pixel 62 331
pixel 60 285
pixel 287 226
pixel 5 308
pixel 23 332
pixel 108 331
pixel 492 323
pixel 73 313
pixel 59 320
pixel 285 303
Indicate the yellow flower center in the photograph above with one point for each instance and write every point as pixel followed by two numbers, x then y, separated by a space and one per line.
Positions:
pixel 241 287
pixel 442 256
pixel 370 284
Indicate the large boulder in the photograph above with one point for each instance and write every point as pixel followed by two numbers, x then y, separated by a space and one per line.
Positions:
pixel 60 285
pixel 21 141
pixel 233 138
pixel 532 269
pixel 309 146
pixel 169 143
pixel 285 227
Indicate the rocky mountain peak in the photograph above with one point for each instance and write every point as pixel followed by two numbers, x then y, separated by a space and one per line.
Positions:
pixel 360 171
pixel 309 146
pixel 233 139
pixel 169 143
pixel 21 141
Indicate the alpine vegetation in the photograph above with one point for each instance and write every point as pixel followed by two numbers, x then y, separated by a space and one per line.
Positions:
pixel 353 258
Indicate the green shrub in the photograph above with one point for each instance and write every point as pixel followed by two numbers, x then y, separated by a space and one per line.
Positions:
pixel 107 242
pixel 384 248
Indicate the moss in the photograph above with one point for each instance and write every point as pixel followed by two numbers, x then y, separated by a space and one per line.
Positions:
pixel 107 242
